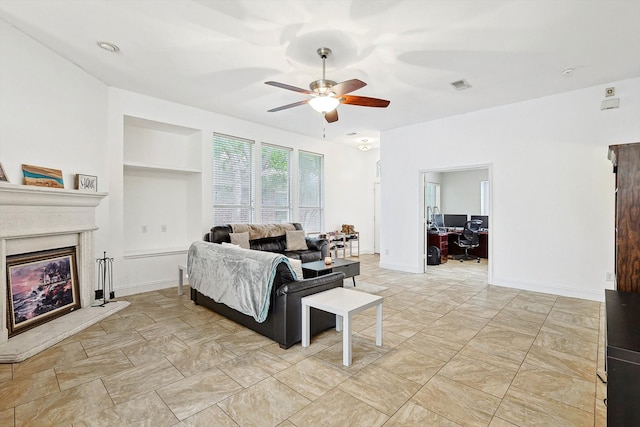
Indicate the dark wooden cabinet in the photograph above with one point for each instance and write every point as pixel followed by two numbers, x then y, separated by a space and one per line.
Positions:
pixel 623 358
pixel 626 166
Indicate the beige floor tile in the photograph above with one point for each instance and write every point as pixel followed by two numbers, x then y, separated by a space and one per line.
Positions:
pixel 253 367
pixel 578 306
pixel 567 344
pixel 110 342
pixel 244 341
pixel 363 353
pixel 410 365
pixel 457 402
pixel 501 342
pixel 49 358
pixel 553 385
pixel 200 358
pixel 338 409
pixel 311 377
pixel 118 324
pixel 134 382
pixel 28 388
pixel 512 322
pixel 6 372
pixel 491 379
pixel 153 349
pixel 383 390
pixel 451 330
pixel 527 409
pixel 6 417
pixel 66 407
pixel 562 362
pixel 564 318
pixel 585 334
pixel 412 415
pixel 93 331
pixel 194 336
pixel 162 328
pixel 87 370
pixel 296 353
pixel 499 422
pixel 432 346
pixel 146 410
pixel 266 403
pixel 400 326
pixel 196 393
pixel 212 416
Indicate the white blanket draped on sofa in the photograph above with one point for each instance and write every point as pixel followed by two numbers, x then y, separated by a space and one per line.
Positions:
pixel 239 278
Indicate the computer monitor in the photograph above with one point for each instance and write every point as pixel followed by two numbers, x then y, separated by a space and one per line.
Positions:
pixel 438 220
pixel 484 219
pixel 455 220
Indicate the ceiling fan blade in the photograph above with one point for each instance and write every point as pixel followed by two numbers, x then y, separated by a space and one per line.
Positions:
pixel 331 116
pixel 284 107
pixel 289 87
pixel 347 86
pixel 364 101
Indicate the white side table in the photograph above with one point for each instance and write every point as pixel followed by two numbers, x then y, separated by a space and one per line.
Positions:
pixel 344 303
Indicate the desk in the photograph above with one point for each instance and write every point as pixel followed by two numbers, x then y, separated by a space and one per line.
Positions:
pixel 482 251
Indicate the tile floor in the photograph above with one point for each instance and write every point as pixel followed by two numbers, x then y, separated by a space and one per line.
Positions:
pixel 456 352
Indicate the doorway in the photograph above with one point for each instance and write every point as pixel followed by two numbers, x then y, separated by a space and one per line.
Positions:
pixel 462 191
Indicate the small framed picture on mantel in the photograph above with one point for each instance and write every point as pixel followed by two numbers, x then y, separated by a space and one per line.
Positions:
pixel 86 182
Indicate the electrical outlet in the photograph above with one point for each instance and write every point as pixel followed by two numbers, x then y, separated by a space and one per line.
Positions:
pixel 144 228
pixel 163 228
pixel 610 276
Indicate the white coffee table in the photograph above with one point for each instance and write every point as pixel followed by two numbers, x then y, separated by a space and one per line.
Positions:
pixel 344 303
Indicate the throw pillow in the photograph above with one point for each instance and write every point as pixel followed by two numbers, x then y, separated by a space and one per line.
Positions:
pixel 240 239
pixel 296 241
pixel 296 265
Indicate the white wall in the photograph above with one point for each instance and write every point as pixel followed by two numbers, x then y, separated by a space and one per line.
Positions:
pixel 56 115
pixel 552 186
pixel 460 191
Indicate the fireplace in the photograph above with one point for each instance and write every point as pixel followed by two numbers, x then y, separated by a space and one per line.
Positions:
pixel 36 219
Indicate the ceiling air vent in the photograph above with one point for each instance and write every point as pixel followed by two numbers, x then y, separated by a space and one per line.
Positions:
pixel 460 85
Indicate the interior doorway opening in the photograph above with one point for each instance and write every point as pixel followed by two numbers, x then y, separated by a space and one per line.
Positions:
pixel 448 199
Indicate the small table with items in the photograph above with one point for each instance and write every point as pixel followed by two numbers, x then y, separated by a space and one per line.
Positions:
pixel 319 268
pixel 344 303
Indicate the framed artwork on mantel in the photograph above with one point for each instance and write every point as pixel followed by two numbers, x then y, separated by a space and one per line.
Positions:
pixel 40 287
pixel 86 182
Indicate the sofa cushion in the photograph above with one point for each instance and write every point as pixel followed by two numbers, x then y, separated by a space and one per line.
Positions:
pixel 296 241
pixel 240 239
pixel 270 244
pixel 296 265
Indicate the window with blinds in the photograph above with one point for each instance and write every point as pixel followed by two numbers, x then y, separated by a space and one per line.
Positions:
pixel 233 168
pixel 310 191
pixel 276 184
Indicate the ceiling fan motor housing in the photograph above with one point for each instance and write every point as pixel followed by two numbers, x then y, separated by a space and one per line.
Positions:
pixel 321 86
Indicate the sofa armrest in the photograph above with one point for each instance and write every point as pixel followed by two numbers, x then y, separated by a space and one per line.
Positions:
pixel 317 244
pixel 308 286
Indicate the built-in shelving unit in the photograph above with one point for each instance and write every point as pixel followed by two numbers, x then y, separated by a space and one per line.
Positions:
pixel 162 187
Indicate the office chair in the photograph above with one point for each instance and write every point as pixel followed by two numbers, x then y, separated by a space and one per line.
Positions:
pixel 469 239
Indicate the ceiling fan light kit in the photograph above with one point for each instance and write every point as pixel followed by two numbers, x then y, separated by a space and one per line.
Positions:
pixel 326 95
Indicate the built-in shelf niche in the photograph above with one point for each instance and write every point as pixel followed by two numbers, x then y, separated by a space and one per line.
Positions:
pixel 162 179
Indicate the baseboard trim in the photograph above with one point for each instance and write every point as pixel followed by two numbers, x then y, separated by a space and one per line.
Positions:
pixel 140 288
pixel 550 289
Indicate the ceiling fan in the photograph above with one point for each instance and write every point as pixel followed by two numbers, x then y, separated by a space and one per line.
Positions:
pixel 326 95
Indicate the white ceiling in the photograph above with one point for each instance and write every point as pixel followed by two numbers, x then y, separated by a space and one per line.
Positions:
pixel 217 54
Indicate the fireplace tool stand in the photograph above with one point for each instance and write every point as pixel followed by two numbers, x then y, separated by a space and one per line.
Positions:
pixel 105 280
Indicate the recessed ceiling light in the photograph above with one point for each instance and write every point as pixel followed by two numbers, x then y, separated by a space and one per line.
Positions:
pixel 568 71
pixel 108 46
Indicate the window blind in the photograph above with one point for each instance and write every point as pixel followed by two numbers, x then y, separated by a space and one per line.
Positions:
pixel 310 191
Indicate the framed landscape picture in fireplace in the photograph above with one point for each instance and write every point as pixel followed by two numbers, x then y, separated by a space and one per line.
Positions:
pixel 40 287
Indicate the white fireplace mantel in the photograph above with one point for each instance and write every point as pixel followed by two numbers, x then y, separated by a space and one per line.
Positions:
pixel 39 218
